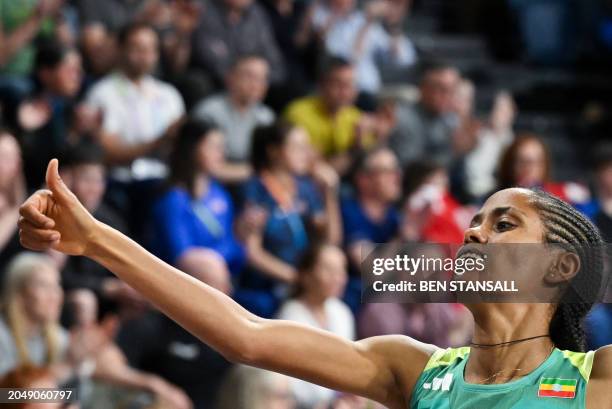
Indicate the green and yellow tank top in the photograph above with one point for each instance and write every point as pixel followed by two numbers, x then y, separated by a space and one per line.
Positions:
pixel 559 382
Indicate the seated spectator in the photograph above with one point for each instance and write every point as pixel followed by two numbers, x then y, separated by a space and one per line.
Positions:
pixel 370 215
pixel 238 112
pixel 193 220
pixel 45 119
pixel 426 128
pixel 99 50
pixel 285 17
pixel 334 124
pixel 139 116
pixel 602 209
pixel 247 387
pixel 30 333
pixel 430 212
pixel 321 281
pixel 527 163
pixel 84 171
pixel 480 144
pixel 137 109
pixel 286 206
pixel 359 37
pixel 12 194
pixel 21 23
pixel 229 28
pixel 114 380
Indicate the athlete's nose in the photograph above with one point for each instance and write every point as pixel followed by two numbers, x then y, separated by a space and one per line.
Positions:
pixel 475 235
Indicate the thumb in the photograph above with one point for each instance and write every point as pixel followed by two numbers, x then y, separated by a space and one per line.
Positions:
pixel 55 183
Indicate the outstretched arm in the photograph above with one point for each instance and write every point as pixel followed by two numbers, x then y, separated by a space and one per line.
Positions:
pixel 382 369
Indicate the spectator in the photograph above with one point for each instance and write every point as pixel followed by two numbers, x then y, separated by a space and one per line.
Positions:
pixel 29 330
pixel 426 128
pixel 12 194
pixel 112 370
pixel 332 121
pixel 156 344
pixel 137 109
pixel 229 28
pixel 139 117
pixel 46 118
pixel 194 218
pixel 292 206
pixel 430 212
pixel 30 333
pixel 238 112
pixel 99 49
pixel 20 23
pixel 527 163
pixel 321 281
pixel 285 17
pixel 370 216
pixel 84 171
pixel 359 37
pixel 481 144
pixel 602 210
pixel 253 388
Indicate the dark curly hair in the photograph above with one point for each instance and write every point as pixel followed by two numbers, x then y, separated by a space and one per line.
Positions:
pixel 567 226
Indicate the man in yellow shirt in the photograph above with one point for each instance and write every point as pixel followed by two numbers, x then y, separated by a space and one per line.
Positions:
pixel 330 117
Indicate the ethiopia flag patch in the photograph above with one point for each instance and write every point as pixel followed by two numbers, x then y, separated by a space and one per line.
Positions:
pixel 557 388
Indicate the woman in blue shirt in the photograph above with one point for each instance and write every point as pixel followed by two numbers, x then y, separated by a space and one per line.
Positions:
pixel 194 218
pixel 292 207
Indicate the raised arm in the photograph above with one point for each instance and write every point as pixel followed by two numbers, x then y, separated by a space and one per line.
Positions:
pixel 383 369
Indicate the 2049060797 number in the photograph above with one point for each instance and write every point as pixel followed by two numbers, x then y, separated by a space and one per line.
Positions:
pixel 41 395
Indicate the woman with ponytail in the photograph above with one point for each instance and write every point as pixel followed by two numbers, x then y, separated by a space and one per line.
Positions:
pixel 522 355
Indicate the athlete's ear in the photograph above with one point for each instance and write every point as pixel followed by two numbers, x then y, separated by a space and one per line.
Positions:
pixel 564 266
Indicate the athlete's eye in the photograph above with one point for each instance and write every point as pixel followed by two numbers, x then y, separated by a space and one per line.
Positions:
pixel 503 225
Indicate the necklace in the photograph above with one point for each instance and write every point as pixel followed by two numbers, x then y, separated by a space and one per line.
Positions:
pixel 496 374
pixel 507 343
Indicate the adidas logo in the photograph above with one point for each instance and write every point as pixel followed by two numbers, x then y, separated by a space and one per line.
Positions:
pixel 437 384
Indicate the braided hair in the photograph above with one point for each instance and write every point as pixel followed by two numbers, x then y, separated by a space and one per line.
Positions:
pixel 565 225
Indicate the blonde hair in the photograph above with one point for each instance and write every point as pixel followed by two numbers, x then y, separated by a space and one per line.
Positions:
pixel 246 387
pixel 18 273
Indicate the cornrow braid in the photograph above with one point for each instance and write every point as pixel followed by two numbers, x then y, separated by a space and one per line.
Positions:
pixel 566 226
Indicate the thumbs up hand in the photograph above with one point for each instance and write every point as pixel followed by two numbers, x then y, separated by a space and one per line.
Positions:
pixel 55 219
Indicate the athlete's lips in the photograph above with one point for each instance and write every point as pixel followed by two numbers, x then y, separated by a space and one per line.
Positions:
pixel 471 250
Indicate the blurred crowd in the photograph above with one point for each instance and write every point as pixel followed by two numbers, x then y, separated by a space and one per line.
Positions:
pixel 260 146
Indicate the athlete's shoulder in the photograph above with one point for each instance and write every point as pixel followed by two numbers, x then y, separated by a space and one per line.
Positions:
pixel 602 363
pixel 405 356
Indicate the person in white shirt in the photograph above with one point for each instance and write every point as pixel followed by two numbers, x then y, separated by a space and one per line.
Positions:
pixel 321 281
pixel 359 36
pixel 238 112
pixel 138 110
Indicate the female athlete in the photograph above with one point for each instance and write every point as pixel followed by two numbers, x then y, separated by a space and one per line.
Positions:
pixel 520 355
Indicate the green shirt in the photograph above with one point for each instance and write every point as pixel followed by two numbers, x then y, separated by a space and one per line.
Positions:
pixel 559 382
pixel 14 13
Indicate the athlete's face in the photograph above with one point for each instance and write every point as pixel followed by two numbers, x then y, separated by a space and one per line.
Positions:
pixel 509 235
pixel 506 217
